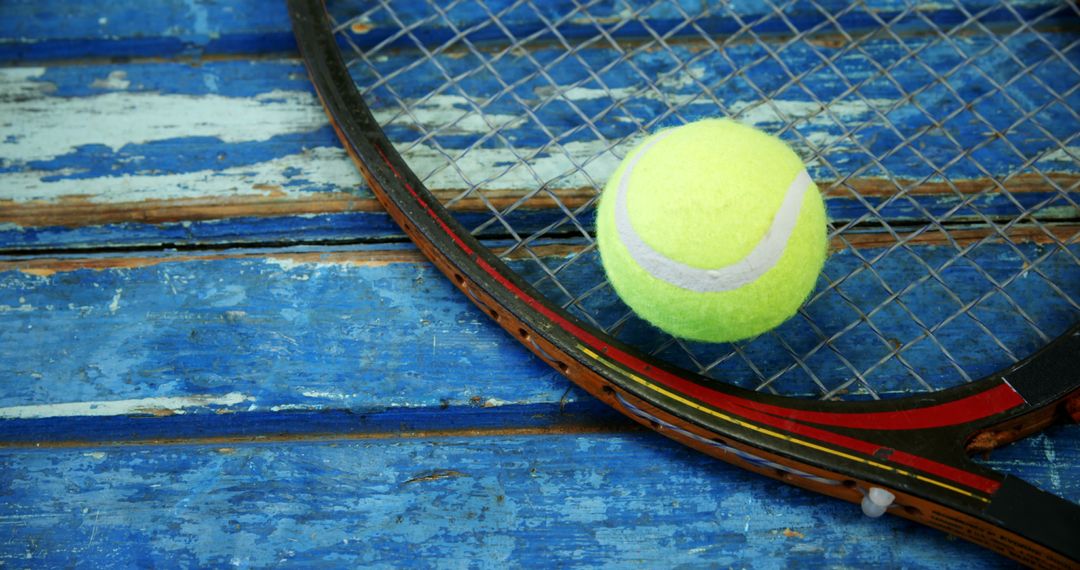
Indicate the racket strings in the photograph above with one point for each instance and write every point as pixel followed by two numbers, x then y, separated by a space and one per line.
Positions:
pixel 940 149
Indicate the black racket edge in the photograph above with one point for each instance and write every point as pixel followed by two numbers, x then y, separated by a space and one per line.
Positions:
pixel 822 446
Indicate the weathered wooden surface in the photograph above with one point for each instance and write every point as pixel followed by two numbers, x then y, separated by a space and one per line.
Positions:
pixel 487 501
pixel 62 30
pixel 203 153
pixel 242 401
pixel 220 349
pixel 372 339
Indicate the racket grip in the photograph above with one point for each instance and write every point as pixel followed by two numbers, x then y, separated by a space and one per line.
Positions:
pixel 1040 516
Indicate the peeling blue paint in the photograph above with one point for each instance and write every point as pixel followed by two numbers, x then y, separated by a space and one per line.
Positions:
pixel 182 154
pixel 187 154
pixel 255 344
pixel 300 336
pixel 229 78
pixel 319 228
pixel 257 327
pixel 56 29
pixel 632 499
pixel 59 29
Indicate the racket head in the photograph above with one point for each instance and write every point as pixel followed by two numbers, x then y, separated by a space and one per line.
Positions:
pixel 518 269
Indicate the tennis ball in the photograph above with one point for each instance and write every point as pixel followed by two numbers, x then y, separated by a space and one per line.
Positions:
pixel 712 231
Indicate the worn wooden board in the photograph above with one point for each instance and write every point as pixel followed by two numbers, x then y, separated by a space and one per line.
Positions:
pixel 59 29
pixel 583 500
pixel 374 339
pixel 56 29
pixel 201 153
pixel 243 402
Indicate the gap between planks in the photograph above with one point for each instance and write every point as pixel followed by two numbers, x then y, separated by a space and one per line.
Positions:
pixel 78 211
pixel 827 39
pixel 373 256
pixel 583 428
pixel 830 38
pixel 188 59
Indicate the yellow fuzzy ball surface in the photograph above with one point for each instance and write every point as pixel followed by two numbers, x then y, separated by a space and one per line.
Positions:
pixel 705 231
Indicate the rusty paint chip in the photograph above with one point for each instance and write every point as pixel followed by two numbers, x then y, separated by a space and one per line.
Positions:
pixel 361 27
pixel 435 476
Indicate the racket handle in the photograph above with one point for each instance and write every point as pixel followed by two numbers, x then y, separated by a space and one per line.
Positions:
pixel 1040 516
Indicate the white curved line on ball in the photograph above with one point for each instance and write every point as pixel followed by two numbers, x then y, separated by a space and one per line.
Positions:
pixel 762 258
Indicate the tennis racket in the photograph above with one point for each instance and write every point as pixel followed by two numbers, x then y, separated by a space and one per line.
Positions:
pixel 943 138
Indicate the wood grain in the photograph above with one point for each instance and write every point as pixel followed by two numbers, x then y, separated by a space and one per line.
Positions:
pixel 197 153
pixel 373 339
pixel 60 29
pixel 299 385
pixel 490 501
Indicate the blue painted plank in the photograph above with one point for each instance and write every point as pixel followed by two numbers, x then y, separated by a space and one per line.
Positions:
pixel 58 29
pixel 255 78
pixel 378 338
pixel 408 25
pixel 376 226
pixel 233 142
pixel 240 346
pixel 219 87
pixel 64 29
pixel 220 423
pixel 344 228
pixel 610 500
pixel 700 81
pixel 362 333
pixel 179 119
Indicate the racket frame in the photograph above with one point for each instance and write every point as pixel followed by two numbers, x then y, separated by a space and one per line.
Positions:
pixel 915 448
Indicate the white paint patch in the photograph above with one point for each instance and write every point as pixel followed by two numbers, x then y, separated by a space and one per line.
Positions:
pixel 18 83
pixel 591 163
pixel 587 19
pixel 450 114
pixel 575 165
pixel 177 405
pixel 664 89
pixel 115 304
pixel 61 125
pixel 320 167
pixel 1051 460
pixel 822 128
pixel 1069 154
pixel 115 81
pixel 327 395
pixel 288 264
pixel 756 113
pixel 291 407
